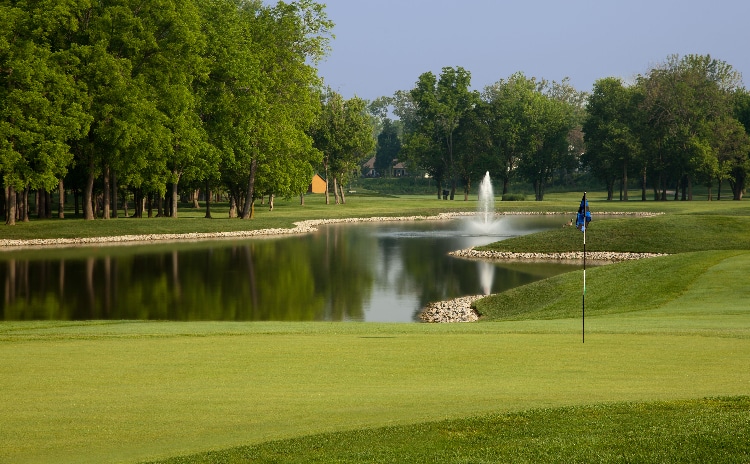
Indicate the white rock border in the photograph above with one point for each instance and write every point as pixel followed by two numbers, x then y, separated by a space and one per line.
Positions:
pixel 301 227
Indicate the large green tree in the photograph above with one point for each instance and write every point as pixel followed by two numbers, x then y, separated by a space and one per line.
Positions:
pixel 612 133
pixel 343 135
pixel 439 106
pixel 681 97
pixel 42 105
pixel 388 148
pixel 510 123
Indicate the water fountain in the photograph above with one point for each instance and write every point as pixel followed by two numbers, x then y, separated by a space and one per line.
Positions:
pixel 486 202
pixel 486 220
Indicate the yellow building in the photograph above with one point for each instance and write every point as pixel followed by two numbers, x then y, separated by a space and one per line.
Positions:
pixel 318 185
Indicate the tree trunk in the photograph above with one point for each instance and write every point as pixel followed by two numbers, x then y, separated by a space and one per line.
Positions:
pixel 125 205
pixel 61 199
pixel 738 186
pixel 246 209
pixel 343 198
pixel 270 202
pixel 325 167
pixel 107 191
pixel 115 194
pixel 232 206
pixel 10 206
pixel 336 189
pixel 196 195
pixel 643 185
pixel 150 204
pixel 25 206
pixel 88 196
pixel 4 204
pixel 174 195
pixel 39 203
pixel 302 199
pixel 208 202
pixel 625 182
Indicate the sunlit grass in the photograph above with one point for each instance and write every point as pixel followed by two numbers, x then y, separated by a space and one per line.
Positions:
pixel 711 430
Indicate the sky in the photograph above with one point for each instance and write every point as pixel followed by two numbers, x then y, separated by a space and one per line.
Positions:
pixel 383 46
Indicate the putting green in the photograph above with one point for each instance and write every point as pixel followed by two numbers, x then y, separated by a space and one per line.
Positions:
pixel 135 391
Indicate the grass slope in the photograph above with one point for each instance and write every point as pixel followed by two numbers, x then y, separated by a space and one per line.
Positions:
pixel 671 233
pixel 710 430
pixel 688 280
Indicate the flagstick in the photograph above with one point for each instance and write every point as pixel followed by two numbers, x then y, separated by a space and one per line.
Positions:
pixel 583 298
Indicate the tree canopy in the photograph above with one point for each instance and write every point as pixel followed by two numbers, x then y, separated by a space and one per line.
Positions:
pixel 136 96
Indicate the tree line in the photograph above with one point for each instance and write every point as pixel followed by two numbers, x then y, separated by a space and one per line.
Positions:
pixel 125 100
pixel 685 121
pixel 147 98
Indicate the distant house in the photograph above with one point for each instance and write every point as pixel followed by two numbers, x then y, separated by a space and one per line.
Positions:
pixel 317 185
pixel 398 168
pixel 368 168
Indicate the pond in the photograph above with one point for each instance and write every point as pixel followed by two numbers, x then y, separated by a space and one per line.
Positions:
pixel 373 272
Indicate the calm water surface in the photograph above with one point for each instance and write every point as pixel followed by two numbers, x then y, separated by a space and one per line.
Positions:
pixel 385 272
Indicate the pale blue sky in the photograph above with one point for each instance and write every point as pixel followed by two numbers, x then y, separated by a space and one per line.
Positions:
pixel 382 46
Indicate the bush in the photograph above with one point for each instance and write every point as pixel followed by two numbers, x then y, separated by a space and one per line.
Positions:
pixel 514 197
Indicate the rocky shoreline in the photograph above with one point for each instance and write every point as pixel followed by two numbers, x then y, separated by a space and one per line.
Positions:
pixel 599 257
pixel 301 227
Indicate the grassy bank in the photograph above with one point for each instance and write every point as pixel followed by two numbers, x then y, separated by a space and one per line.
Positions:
pixel 711 430
pixel 662 336
pixel 286 212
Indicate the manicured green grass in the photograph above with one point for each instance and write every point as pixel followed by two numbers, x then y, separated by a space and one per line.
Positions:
pixel 662 335
pixel 670 233
pixel 715 280
pixel 712 430
pixel 124 392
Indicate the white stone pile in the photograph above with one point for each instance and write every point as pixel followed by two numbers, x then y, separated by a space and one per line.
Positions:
pixel 456 310
pixel 593 256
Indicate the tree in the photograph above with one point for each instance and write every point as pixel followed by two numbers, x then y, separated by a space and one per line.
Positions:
pixel 41 110
pixel 734 152
pixel 552 122
pixel 440 105
pixel 680 96
pixel 343 135
pixel 611 133
pixel 388 148
pixel 510 121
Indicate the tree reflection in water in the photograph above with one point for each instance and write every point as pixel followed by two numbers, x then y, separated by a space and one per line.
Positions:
pixel 384 272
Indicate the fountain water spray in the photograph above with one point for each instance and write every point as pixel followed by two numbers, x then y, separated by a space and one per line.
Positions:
pixel 486 201
pixel 486 218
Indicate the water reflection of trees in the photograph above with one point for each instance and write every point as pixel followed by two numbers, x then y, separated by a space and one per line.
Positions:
pixel 286 279
pixel 329 275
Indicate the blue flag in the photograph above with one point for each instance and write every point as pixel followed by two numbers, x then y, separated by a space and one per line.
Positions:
pixel 584 215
